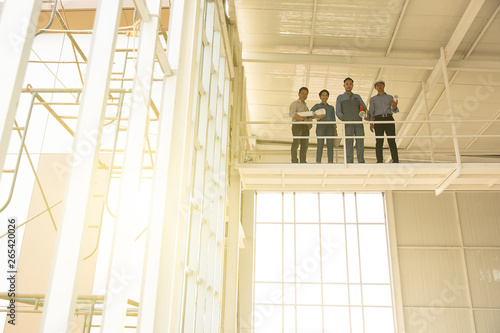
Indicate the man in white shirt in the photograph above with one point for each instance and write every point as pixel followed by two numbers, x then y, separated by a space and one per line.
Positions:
pixel 299 127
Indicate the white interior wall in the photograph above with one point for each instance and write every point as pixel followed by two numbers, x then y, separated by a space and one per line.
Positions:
pixel 245 275
pixel 449 260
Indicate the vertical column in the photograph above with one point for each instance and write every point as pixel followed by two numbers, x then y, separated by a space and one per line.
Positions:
pixel 198 217
pixel 394 262
pixel 62 289
pixel 234 196
pixel 116 296
pixel 163 267
pixel 246 266
pixel 217 215
pixel 18 22
pixel 427 117
pixel 223 212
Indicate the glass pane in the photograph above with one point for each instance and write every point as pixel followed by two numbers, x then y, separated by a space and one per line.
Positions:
pixel 289 293
pixel 379 320
pixel 350 208
pixel 306 207
pixel 289 253
pixel 308 260
pixel 335 294
pixel 268 253
pixel 267 319
pixel 377 295
pixel 374 261
pixel 309 319
pixel 269 207
pixel 308 294
pixel 333 253
pixel 357 320
pixel 370 208
pixel 331 207
pixel 355 294
pixel 288 209
pixel 336 320
pixel 268 293
pixel 289 319
pixel 322 269
pixel 352 253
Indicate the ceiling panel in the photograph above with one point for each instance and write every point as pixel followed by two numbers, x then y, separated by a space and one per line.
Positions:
pixel 370 29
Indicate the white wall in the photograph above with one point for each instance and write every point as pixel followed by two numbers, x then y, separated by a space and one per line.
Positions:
pixel 449 260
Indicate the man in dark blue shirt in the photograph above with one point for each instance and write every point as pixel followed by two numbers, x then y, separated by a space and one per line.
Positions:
pixel 348 106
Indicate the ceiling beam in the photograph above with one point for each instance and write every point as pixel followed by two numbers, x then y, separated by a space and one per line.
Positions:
pixel 455 39
pixel 452 79
pixel 365 61
pixel 313 26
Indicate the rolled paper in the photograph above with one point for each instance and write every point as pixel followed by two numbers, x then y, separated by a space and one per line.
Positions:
pixel 306 113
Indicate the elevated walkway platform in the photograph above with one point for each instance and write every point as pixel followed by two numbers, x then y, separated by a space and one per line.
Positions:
pixel 377 177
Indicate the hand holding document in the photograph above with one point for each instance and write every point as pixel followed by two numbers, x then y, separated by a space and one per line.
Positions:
pixel 318 112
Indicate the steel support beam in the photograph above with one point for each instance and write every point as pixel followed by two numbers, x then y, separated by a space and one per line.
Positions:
pixel 115 305
pixel 450 109
pixel 427 117
pixel 455 39
pixel 59 308
pixel 150 283
pixel 162 267
pixel 162 59
pixel 143 9
pixel 366 61
pixel 234 223
pixel 225 35
pixel 18 22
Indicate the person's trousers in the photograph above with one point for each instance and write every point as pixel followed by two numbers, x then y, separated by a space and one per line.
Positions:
pixel 389 130
pixel 325 130
pixel 355 130
pixel 300 130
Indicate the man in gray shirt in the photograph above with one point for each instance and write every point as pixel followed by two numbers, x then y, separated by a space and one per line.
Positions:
pixel 298 126
pixel 348 107
pixel 382 106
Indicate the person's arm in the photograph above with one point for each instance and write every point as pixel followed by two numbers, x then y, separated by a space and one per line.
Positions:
pixel 371 110
pixel 362 103
pixel 334 119
pixel 293 112
pixel 297 117
pixel 371 113
pixel 394 105
pixel 340 114
pixel 317 107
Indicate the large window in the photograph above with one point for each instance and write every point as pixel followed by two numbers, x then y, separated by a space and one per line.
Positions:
pixel 322 263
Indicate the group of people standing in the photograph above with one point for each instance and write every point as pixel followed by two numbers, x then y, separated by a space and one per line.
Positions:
pixel 349 107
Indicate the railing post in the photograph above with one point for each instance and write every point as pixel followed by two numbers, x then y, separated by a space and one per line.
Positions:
pixel 345 149
pixel 427 117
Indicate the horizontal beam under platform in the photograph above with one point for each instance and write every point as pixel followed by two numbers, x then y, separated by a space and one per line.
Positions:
pixel 368 176
pixel 369 61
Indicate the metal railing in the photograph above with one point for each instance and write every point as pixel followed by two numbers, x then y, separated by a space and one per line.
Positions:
pixel 433 146
pixel 87 306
